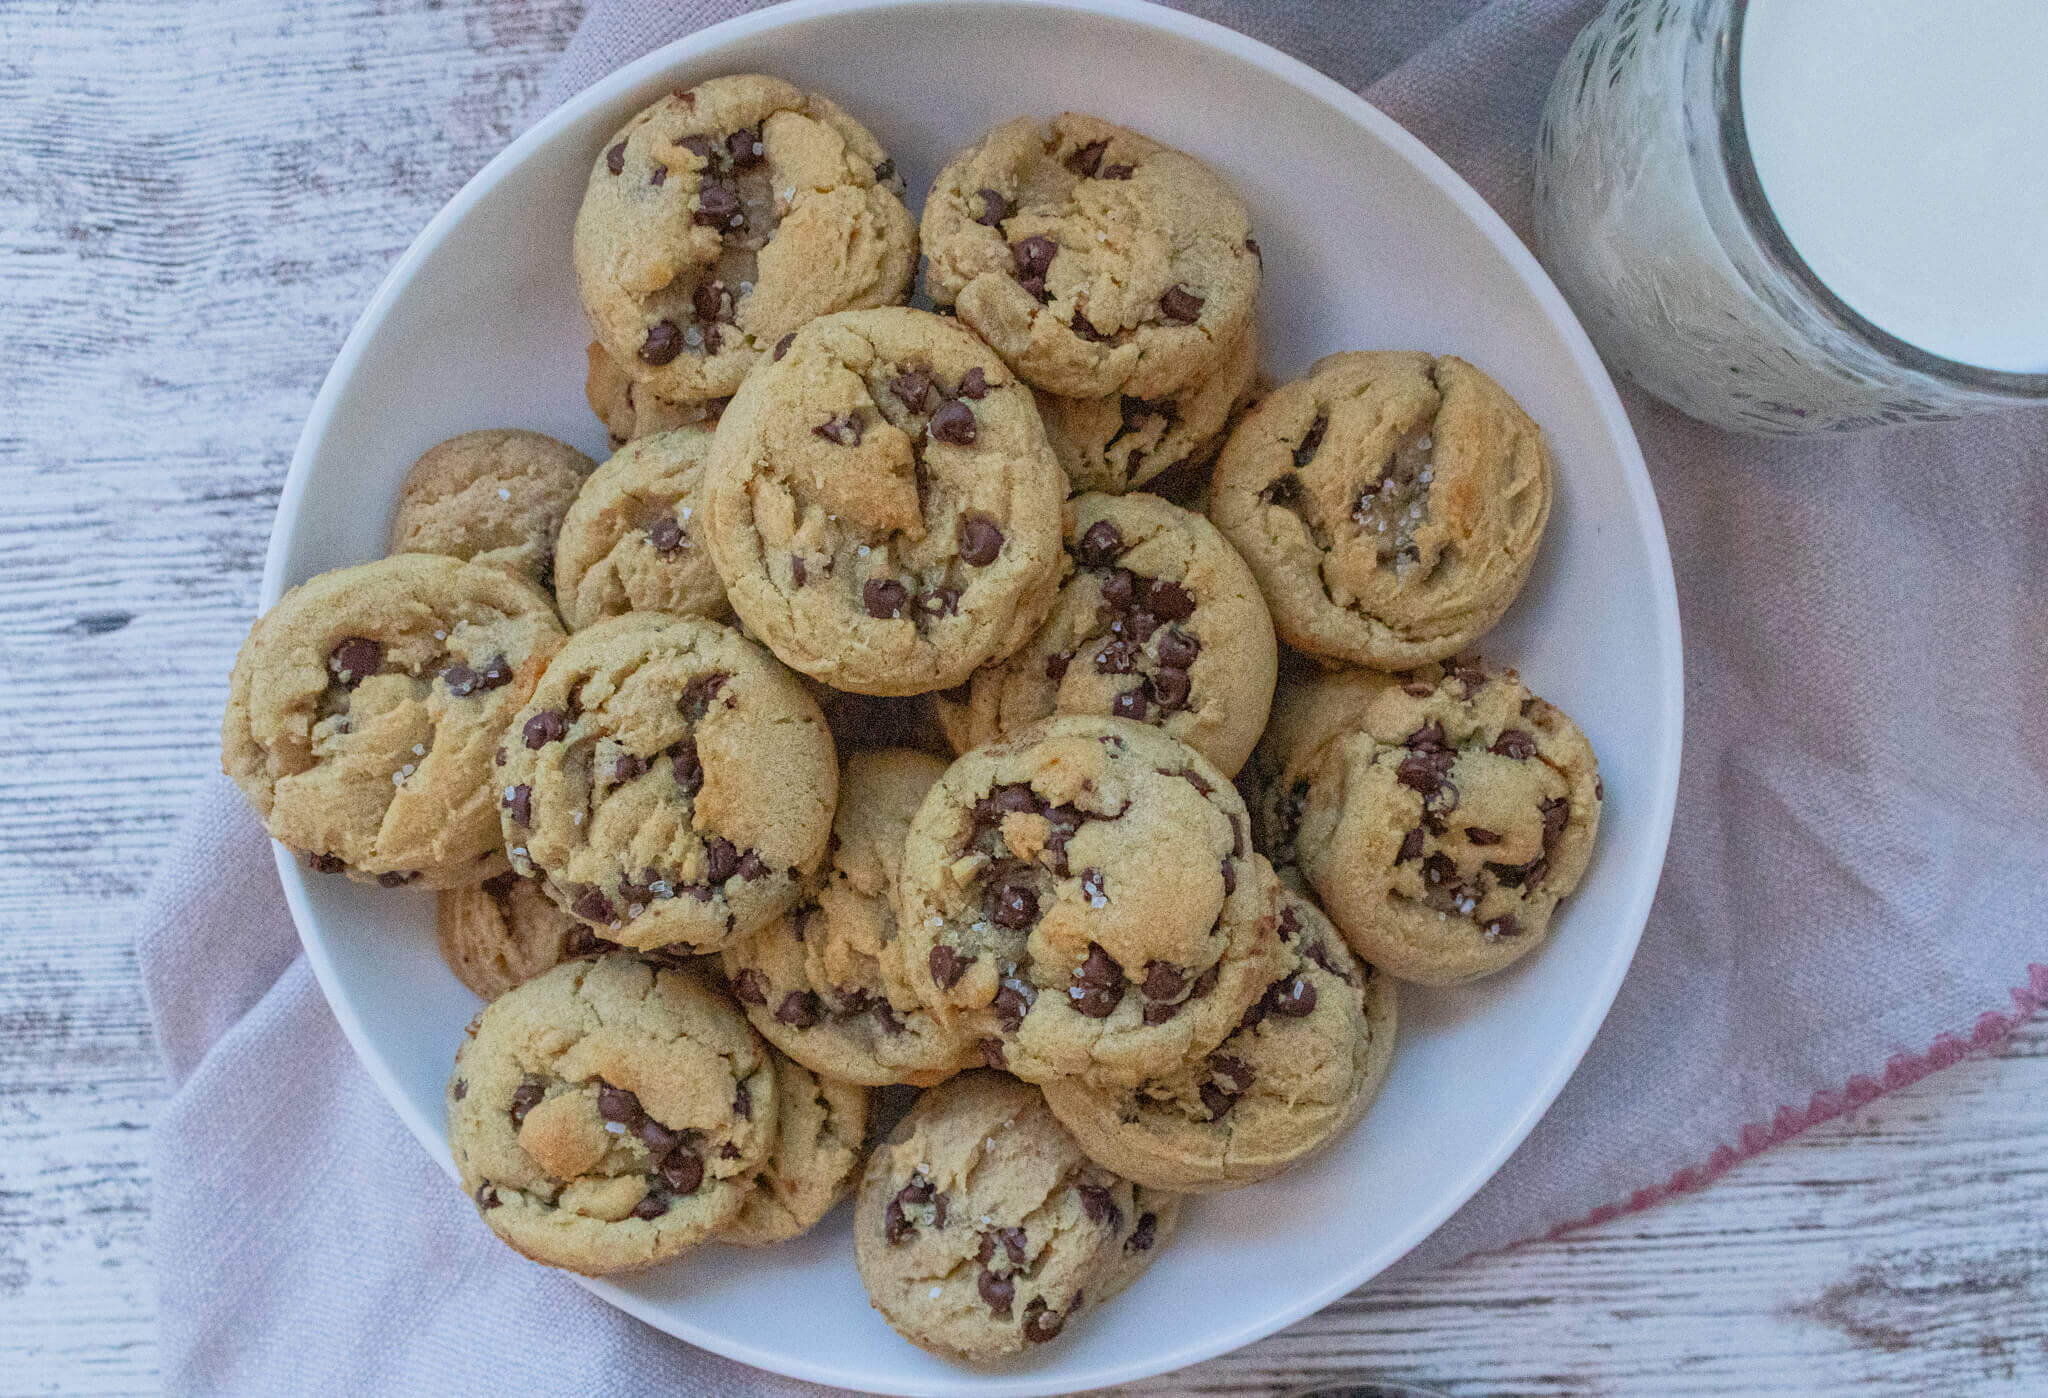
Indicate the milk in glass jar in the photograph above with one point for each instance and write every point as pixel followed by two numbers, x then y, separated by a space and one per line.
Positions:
pixel 1792 216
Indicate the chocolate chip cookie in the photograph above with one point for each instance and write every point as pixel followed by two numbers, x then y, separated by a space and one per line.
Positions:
pixel 1082 897
pixel 811 980
pixel 981 1230
pixel 818 1146
pixel 723 217
pixel 1118 443
pixel 1390 504
pixel 885 511
pixel 1441 814
pixel 628 409
pixel 1300 1069
pixel 674 785
pixel 1096 261
pixel 633 541
pixel 610 1114
pixel 1159 621
pixel 503 933
pixel 364 708
pixel 497 496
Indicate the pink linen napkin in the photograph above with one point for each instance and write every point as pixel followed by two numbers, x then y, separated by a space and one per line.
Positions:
pixel 1849 903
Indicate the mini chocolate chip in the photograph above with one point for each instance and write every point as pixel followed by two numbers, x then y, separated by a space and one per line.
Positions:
pixel 1504 927
pixel 1171 688
pixel 939 1201
pixel 1130 704
pixel 1040 1323
pixel 1010 1007
pixel 688 768
pixel 1085 328
pixel 1144 1235
pixel 615 158
pixel 1190 775
pixel 1088 159
pixel 886 171
pixel 1138 625
pixel 751 986
pixel 739 147
pixel 717 205
pixel 896 1228
pixel 1158 1012
pixel 1014 906
pixel 1306 452
pixel 1164 981
pixel 1177 649
pixel 752 866
pixel 974 384
pixel 1016 1245
pixel 1296 998
pixel 1418 689
pixel 1056 666
pixel 954 423
pixel 1411 846
pixel 799 1009
pixel 619 1105
pixel 782 345
pixel 496 674
pixel 1319 952
pixel 994 208
pixel 519 801
pixel 1100 1206
pixel 355 660
pixel 658 176
pixel 1229 878
pixel 326 863
pixel 683 1170
pixel 1119 589
pixel 1216 1100
pixel 627 766
pixel 699 693
pixel 699 146
pixel 1033 257
pixel 397 878
pixel 940 601
pixel 947 966
pixel 884 598
pixel 915 389
pixel 663 343
pixel 487 1197
pixel 1101 983
pixel 980 538
pixel 992 1051
pixel 652 1205
pixel 1599 789
pixel 1556 814
pixel 461 1089
pixel 591 905
pixel 1237 1074
pixel 1115 172
pixel 708 300
pixel 1425 769
pixel 1251 245
pixel 1428 737
pixel 1479 835
pixel 721 858
pixel 1206 982
pixel 743 1102
pixel 998 1292
pixel 845 430
pixel 797 571
pixel 1181 305
pixel 525 1098
pixel 1169 600
pixel 547 726
pixel 460 679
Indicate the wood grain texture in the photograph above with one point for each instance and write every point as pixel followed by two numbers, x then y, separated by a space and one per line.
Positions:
pixel 195 202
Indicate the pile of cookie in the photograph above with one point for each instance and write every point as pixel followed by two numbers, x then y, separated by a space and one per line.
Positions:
pixel 862 723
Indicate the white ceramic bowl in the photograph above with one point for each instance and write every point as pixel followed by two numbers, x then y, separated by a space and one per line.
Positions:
pixel 1370 242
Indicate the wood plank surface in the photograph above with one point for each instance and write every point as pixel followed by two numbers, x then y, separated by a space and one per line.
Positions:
pixel 195 201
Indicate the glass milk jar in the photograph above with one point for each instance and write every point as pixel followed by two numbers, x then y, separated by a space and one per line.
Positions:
pixel 1791 216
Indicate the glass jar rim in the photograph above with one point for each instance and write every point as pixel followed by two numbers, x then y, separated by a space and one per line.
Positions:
pixel 1746 187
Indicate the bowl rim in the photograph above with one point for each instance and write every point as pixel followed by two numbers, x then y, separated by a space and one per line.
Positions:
pixel 1640 881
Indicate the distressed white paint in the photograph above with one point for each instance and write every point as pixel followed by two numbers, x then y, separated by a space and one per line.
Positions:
pixel 194 203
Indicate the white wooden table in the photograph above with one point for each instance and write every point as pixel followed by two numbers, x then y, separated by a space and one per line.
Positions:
pixel 195 201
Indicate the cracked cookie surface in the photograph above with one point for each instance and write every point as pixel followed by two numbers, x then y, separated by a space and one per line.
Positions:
pixel 981 1230
pixel 672 784
pixel 885 512
pixel 633 540
pixel 1118 443
pixel 365 706
pixel 1095 260
pixel 1081 898
pixel 821 1134
pixel 724 216
pixel 1441 814
pixel 811 980
pixel 1300 1070
pixel 1159 621
pixel 497 496
pixel 610 1114
pixel 1390 503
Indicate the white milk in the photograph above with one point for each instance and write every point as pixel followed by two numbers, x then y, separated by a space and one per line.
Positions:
pixel 1903 145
